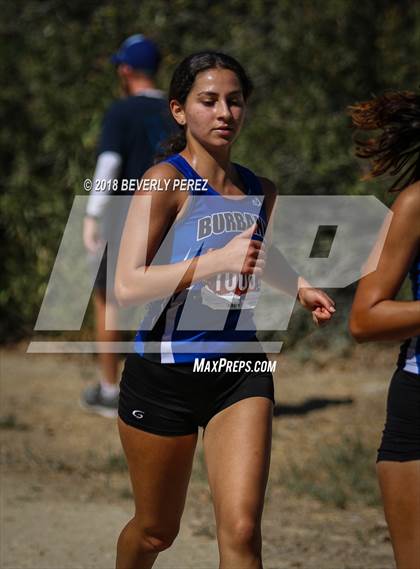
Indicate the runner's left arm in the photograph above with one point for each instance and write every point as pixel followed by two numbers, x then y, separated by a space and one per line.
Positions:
pixel 280 274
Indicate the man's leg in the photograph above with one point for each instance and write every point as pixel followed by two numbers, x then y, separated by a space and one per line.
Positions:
pixel 102 398
pixel 108 362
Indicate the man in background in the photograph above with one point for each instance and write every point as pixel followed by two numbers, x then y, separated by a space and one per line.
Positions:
pixel 131 132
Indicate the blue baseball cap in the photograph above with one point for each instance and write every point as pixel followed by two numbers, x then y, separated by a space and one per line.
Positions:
pixel 139 53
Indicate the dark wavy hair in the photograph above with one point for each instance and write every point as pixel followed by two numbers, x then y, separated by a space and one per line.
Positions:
pixel 395 148
pixel 183 80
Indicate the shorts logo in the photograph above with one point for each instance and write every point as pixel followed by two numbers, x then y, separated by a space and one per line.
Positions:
pixel 138 414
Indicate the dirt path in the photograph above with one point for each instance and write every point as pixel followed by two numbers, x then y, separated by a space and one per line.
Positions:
pixel 65 493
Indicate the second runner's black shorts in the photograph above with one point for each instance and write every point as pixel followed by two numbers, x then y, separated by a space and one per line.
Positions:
pixel 401 435
pixel 172 399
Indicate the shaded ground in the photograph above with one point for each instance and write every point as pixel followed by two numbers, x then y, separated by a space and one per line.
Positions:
pixel 65 492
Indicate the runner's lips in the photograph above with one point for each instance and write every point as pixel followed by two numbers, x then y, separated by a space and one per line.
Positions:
pixel 224 129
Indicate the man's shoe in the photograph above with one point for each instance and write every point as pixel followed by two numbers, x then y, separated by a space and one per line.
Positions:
pixel 92 399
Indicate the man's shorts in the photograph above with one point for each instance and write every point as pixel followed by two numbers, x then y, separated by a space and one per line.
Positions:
pixel 401 435
pixel 172 399
pixel 99 274
pixel 100 281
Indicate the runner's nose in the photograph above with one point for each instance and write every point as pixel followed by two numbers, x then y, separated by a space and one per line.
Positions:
pixel 223 110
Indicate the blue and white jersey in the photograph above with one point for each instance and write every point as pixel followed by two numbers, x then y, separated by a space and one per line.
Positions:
pixel 212 317
pixel 409 359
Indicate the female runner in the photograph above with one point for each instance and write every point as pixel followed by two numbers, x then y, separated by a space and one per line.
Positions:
pixel 207 240
pixel 376 315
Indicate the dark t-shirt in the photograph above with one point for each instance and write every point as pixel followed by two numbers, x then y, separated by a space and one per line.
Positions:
pixel 134 127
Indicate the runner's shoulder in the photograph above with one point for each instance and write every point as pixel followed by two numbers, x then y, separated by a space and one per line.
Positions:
pixel 269 190
pixel 163 170
pixel 268 187
pixel 165 174
pixel 407 203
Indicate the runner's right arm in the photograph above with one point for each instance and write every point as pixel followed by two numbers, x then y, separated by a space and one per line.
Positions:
pixel 375 314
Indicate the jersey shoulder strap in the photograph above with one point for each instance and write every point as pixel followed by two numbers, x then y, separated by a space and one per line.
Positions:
pixel 182 166
pixel 251 181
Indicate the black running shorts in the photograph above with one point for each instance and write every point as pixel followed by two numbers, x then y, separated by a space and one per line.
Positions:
pixel 172 399
pixel 101 277
pixel 401 435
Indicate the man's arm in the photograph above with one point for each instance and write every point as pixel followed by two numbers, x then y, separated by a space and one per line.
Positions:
pixel 108 167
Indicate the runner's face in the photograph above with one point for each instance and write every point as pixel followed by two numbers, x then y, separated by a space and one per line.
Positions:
pixel 215 108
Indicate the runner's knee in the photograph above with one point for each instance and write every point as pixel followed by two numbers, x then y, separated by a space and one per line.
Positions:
pixel 156 539
pixel 243 533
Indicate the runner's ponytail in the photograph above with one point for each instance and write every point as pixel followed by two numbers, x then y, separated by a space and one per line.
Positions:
pixel 395 148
